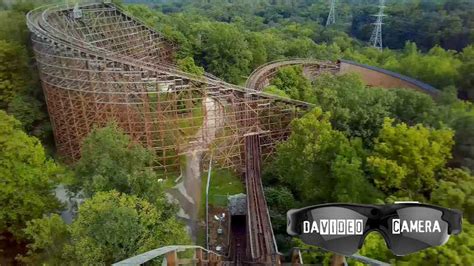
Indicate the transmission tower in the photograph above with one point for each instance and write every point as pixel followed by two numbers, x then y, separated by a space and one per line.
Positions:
pixel 332 14
pixel 376 38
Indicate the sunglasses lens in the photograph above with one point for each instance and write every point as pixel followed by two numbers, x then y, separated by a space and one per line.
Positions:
pixel 335 229
pixel 415 228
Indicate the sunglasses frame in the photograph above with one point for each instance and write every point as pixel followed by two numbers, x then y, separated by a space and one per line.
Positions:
pixel 374 214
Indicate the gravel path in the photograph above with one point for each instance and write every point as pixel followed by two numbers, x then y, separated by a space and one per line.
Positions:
pixel 188 191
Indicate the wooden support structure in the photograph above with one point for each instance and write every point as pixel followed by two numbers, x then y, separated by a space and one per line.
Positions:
pixel 199 257
pixel 172 258
pixel 108 66
pixel 338 260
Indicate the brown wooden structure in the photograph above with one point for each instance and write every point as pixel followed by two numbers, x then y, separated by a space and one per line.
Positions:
pixel 97 64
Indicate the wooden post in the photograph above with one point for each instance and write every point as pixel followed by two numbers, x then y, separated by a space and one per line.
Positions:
pixel 338 260
pixel 213 259
pixel 295 257
pixel 199 257
pixel 172 258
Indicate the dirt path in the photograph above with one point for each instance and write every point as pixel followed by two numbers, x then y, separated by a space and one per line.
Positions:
pixel 188 191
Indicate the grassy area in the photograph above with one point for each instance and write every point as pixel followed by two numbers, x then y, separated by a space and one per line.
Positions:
pixel 224 182
pixel 190 125
pixel 201 236
pixel 168 182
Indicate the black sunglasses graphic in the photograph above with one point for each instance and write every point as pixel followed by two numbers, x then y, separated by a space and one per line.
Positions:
pixel 407 227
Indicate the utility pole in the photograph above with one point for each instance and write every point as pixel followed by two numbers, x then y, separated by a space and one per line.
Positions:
pixel 376 38
pixel 207 201
pixel 332 14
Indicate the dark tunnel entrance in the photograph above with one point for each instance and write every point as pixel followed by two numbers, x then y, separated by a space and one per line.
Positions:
pixel 238 242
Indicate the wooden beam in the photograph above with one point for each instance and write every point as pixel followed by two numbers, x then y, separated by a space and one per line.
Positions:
pixel 172 258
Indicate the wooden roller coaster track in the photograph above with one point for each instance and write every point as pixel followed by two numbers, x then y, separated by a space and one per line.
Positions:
pixel 98 64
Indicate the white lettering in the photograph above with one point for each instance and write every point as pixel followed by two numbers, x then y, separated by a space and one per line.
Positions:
pixel 428 226
pixel 306 226
pixel 359 230
pixel 436 227
pixel 396 226
pixel 341 227
pixel 324 227
pixel 315 228
pixel 404 227
pixel 350 227
pixel 334 227
pixel 415 226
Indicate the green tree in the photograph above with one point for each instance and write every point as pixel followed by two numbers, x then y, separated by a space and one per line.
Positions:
pixel 466 82
pixel 412 107
pixel 47 237
pixel 464 141
pixel 110 227
pixel 225 52
pixel 280 200
pixel 455 189
pixel 13 27
pixel 27 109
pixel 188 65
pixel 320 164
pixel 256 45
pixel 312 255
pixel 459 115
pixel 111 161
pixel 272 89
pixel 291 81
pixel 405 159
pixel 274 45
pixel 13 68
pixel 438 67
pixel 459 250
pixel 355 109
pixel 301 47
pixel 28 178
pixel 375 247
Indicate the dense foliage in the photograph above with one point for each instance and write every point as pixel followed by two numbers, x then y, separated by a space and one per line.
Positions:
pixel 267 30
pixel 405 159
pixel 125 212
pixel 407 153
pixel 321 164
pixel 110 227
pixel 110 161
pixel 20 93
pixel 28 178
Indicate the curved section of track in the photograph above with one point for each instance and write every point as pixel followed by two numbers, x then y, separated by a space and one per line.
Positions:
pixel 312 68
pixel 262 75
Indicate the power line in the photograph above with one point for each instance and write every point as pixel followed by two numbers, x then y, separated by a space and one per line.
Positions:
pixel 376 38
pixel 332 14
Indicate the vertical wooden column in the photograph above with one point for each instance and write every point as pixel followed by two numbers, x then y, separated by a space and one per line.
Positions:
pixel 213 259
pixel 199 257
pixel 172 258
pixel 296 257
pixel 338 260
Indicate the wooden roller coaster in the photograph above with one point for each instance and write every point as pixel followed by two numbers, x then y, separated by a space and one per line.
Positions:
pixel 97 65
